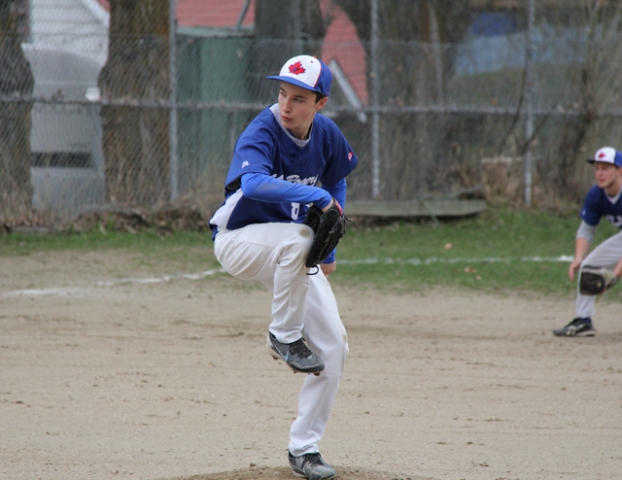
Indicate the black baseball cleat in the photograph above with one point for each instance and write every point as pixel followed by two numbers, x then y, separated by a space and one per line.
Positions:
pixel 311 466
pixel 296 354
pixel 579 327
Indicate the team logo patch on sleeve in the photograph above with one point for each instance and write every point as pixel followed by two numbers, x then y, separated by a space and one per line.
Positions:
pixel 350 155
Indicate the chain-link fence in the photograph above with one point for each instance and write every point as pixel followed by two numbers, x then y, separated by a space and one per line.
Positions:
pixel 90 119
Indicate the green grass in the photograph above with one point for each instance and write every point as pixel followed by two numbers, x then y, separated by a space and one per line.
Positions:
pixel 395 256
pixel 486 252
pixel 180 249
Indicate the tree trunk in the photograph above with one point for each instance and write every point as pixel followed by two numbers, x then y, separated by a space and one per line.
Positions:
pixel 277 34
pixel 135 137
pixel 283 28
pixel 16 85
pixel 313 25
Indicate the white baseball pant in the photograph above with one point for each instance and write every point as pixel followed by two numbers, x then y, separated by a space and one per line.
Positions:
pixel 302 306
pixel 607 254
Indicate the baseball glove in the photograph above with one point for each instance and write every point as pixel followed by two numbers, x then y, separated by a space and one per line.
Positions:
pixel 329 228
pixel 596 280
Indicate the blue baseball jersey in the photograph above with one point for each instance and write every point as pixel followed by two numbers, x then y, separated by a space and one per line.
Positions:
pixel 597 205
pixel 265 147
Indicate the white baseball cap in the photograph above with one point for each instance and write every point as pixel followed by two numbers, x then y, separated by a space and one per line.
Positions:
pixel 307 72
pixel 607 155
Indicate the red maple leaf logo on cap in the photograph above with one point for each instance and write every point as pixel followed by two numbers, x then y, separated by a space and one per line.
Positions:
pixel 296 68
pixel 602 155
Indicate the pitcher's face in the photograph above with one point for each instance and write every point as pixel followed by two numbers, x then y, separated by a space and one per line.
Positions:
pixel 298 107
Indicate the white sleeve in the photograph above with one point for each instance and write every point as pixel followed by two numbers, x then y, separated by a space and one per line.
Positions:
pixel 587 232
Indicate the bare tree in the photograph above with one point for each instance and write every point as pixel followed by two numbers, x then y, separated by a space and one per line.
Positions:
pixel 284 28
pixel 598 79
pixel 414 39
pixel 412 70
pixel 135 138
pixel 16 85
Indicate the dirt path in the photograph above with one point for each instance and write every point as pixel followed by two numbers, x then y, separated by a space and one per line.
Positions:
pixel 170 379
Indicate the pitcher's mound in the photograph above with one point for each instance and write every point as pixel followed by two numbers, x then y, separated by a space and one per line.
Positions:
pixel 284 473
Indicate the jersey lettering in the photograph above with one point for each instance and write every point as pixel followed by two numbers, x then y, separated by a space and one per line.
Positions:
pixel 296 179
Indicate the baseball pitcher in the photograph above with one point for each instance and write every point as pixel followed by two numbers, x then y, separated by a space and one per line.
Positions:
pixel 289 159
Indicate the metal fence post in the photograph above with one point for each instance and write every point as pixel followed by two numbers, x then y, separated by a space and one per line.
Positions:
pixel 174 160
pixel 375 134
pixel 528 127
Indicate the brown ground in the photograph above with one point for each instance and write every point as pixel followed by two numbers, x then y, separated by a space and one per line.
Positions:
pixel 170 379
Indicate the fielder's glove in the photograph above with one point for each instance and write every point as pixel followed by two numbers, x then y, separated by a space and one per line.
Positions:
pixel 329 228
pixel 596 280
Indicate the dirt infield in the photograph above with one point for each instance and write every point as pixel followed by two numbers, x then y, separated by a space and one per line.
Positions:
pixel 152 380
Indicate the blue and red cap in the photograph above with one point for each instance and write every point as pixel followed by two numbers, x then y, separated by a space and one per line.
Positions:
pixel 607 155
pixel 307 72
